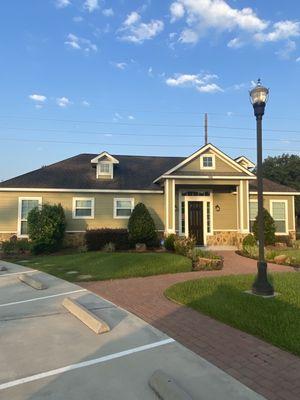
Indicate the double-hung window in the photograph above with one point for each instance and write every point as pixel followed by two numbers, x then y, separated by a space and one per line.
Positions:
pixel 104 169
pixel 252 213
pixel 123 207
pixel 278 210
pixel 26 204
pixel 83 207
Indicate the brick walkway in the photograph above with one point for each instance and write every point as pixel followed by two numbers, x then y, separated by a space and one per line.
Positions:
pixel 264 368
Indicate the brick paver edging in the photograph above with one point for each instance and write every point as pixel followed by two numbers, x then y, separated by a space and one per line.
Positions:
pixel 272 372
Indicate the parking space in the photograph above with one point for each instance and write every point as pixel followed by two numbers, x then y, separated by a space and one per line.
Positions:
pixel 47 353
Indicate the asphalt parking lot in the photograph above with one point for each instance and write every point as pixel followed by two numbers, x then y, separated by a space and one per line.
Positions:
pixel 47 353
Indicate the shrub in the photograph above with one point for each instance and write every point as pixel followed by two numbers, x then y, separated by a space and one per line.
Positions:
pixel 141 227
pixel 196 253
pixel 249 240
pixel 251 251
pixel 169 242
pixel 203 260
pixel 96 239
pixel 184 245
pixel 46 228
pixel 269 228
pixel 15 246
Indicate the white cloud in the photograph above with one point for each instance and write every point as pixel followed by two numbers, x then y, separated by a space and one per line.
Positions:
pixel 131 117
pixel 78 43
pixel 281 30
pixel 91 5
pixel 213 14
pixel 85 103
pixel 201 82
pixel 235 43
pixel 239 86
pixel 62 3
pixel 108 12
pixel 298 59
pixel 150 72
pixel 77 19
pixel 119 65
pixel 63 102
pixel 39 98
pixel 132 18
pixel 135 31
pixel 177 11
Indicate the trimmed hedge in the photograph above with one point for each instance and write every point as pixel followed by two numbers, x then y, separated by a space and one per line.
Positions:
pixel 269 228
pixel 96 239
pixel 141 227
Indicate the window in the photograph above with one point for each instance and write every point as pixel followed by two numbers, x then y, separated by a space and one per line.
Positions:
pixel 123 207
pixel 207 161
pixel 252 213
pixel 26 204
pixel 208 217
pixel 105 169
pixel 279 213
pixel 83 208
pixel 182 217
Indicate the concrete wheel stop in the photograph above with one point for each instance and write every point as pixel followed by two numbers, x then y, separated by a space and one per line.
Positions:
pixel 3 268
pixel 84 315
pixel 33 282
pixel 166 388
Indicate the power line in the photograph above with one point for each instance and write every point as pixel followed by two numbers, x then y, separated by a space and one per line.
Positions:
pixel 135 145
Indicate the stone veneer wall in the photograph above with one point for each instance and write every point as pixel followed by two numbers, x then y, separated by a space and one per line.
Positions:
pixel 226 238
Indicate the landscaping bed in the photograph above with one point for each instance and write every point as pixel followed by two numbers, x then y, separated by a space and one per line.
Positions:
pixel 275 320
pixel 94 265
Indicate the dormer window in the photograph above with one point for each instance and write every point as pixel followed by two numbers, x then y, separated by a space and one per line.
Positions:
pixel 207 161
pixel 104 164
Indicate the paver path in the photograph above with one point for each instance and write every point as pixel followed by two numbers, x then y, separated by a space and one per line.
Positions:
pixel 264 368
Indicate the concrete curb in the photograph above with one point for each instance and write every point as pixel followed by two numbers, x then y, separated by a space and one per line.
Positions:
pixel 3 268
pixel 33 282
pixel 85 316
pixel 166 387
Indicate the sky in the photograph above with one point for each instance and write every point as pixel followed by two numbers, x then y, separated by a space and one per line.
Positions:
pixel 136 77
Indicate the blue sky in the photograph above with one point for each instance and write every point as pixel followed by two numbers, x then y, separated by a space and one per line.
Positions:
pixel 135 77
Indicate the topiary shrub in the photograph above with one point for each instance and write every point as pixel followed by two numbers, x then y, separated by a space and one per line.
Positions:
pixel 97 239
pixel 141 227
pixel 15 246
pixel 249 240
pixel 46 228
pixel 269 228
pixel 169 242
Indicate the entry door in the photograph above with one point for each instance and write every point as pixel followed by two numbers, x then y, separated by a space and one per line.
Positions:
pixel 196 221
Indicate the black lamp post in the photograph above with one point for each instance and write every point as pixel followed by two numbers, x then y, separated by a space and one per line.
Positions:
pixel 261 286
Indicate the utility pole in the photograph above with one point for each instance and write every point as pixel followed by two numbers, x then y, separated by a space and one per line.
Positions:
pixel 205 129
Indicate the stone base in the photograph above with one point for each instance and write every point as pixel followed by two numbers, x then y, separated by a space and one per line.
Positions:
pixel 225 238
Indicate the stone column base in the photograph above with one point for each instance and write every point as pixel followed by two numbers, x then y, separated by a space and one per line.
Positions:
pixel 225 238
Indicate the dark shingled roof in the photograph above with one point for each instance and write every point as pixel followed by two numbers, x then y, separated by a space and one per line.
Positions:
pixel 132 173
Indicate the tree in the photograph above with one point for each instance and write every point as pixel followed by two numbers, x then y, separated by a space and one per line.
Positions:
pixel 46 228
pixel 284 169
pixel 141 226
pixel 269 228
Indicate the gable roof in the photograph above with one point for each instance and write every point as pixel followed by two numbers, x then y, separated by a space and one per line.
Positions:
pixel 104 155
pixel 246 160
pixel 132 173
pixel 202 150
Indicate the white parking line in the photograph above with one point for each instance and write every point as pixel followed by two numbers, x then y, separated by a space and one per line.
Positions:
pixel 42 298
pixel 18 273
pixel 83 364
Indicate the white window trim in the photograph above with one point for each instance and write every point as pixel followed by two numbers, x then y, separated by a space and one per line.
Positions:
pixel 92 199
pixel 116 199
pixel 286 215
pixel 40 200
pixel 213 161
pixel 111 169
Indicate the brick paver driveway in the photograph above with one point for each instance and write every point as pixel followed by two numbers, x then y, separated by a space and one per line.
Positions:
pixel 264 368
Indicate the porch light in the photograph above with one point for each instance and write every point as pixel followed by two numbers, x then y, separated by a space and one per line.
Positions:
pixel 218 208
pixel 261 286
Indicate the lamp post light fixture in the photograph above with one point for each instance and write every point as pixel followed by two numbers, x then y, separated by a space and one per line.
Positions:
pixel 261 286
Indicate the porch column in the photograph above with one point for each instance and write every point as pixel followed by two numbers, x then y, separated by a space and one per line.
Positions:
pixel 243 206
pixel 169 206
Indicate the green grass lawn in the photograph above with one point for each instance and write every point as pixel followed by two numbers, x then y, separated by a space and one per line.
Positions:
pixel 94 266
pixel 292 253
pixel 275 320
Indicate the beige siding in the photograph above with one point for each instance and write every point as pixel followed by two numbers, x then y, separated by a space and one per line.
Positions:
pixel 221 165
pixel 104 203
pixel 226 218
pixel 290 200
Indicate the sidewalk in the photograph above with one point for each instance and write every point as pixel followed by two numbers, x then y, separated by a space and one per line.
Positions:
pixel 264 368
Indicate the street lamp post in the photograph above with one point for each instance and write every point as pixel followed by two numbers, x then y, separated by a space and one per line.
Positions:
pixel 261 286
